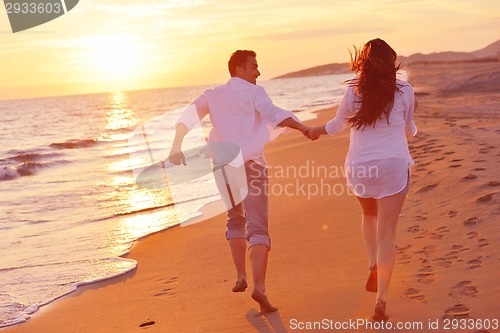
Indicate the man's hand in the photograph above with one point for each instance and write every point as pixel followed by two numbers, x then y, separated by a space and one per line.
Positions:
pixel 176 156
pixel 305 130
pixel 292 123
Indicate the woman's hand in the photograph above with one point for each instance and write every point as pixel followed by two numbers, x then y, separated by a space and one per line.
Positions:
pixel 316 132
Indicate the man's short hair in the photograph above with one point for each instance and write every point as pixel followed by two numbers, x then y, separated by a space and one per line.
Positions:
pixel 239 58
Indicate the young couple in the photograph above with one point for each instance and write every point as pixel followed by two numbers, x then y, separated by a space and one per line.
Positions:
pixel 379 110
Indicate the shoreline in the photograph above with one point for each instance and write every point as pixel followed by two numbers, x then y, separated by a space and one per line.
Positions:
pixel 207 211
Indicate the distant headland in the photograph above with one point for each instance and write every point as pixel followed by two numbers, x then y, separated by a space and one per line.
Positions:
pixel 488 53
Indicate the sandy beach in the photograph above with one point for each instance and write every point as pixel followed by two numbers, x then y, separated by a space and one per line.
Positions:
pixel 448 262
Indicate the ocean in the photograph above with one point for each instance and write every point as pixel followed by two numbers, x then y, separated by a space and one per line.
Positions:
pixel 70 203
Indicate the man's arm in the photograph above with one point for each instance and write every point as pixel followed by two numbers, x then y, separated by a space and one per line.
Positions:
pixel 264 105
pixel 190 117
pixel 176 155
pixel 292 123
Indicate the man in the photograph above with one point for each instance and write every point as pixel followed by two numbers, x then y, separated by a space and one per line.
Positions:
pixel 242 113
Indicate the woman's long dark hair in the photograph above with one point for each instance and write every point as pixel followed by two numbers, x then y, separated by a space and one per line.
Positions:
pixel 376 82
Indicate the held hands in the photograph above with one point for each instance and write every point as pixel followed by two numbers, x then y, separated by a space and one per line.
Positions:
pixel 316 132
pixel 177 157
pixel 312 133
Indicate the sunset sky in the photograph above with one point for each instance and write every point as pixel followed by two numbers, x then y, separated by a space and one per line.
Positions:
pixel 109 45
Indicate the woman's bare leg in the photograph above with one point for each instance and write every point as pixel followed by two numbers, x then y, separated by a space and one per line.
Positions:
pixel 369 228
pixel 389 209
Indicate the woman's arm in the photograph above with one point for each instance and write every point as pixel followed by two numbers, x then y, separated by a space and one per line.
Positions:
pixel 410 127
pixel 339 123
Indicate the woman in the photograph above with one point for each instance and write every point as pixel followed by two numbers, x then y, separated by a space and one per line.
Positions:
pixel 379 109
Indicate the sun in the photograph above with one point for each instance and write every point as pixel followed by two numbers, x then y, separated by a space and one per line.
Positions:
pixel 116 57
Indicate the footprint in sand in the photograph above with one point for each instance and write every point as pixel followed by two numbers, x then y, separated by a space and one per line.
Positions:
pixel 415 228
pixel 457 160
pixel 165 292
pixel 442 262
pixel 444 203
pixel 439 159
pixel 470 176
pixel 452 213
pixel 479 169
pixel 475 263
pixel 434 235
pixel 427 188
pixel 449 153
pixel 472 221
pixel 422 235
pixel 169 290
pixel 427 250
pixel 492 184
pixel 426 275
pixel 485 198
pixel 452 255
pixel 426 270
pixel 403 248
pixel 465 288
pixel 404 259
pixel 484 151
pixel 454 165
pixel 483 242
pixel 420 218
pixel 443 229
pixel 414 294
pixel 439 233
pixel 457 312
pixel 472 234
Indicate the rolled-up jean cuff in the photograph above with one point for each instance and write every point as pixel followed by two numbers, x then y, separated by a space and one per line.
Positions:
pixel 235 233
pixel 259 239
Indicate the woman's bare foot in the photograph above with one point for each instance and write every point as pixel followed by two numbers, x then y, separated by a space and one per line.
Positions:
pixel 380 311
